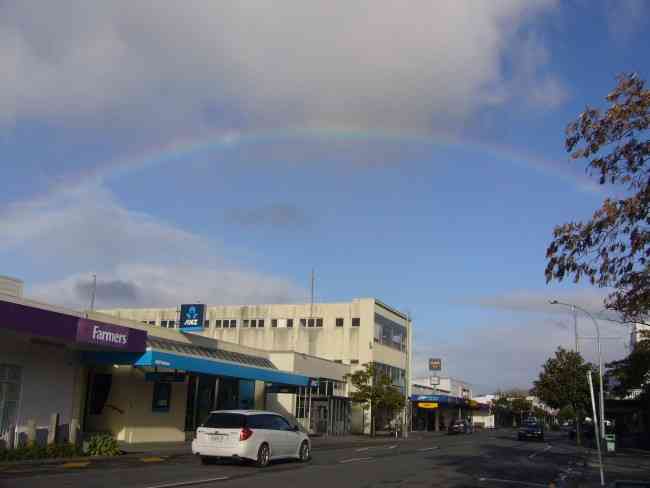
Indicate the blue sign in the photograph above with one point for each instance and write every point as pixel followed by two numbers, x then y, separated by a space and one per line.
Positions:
pixel 191 317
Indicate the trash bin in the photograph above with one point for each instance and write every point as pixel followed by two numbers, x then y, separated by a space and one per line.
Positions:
pixel 610 442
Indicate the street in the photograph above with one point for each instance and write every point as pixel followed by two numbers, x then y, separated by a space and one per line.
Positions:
pixel 485 459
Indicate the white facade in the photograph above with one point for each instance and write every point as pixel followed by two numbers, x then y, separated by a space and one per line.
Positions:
pixel 636 334
pixel 446 386
pixel 348 333
pixel 12 287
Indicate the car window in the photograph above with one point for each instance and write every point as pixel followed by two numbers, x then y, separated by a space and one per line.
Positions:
pixel 225 421
pixel 280 423
pixel 263 421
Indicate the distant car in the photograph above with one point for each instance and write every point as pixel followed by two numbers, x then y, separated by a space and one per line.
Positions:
pixel 250 435
pixel 531 430
pixel 460 427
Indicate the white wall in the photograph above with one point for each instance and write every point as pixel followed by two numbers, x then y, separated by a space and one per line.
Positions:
pixel 53 381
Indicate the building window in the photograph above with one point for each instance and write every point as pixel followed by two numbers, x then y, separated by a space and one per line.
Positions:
pixel 233 324
pixel 274 322
pixel 310 322
pixel 152 322
pixel 217 324
pixel 10 381
pixel 389 333
pixel 339 361
pixel 339 322
pixel 253 323
pixel 162 393
pixel 354 361
pixel 206 323
pixel 171 324
pixel 319 322
pixel 246 323
pixel 356 322
pixel 260 323
pixel 289 323
pixel 163 323
pixel 303 322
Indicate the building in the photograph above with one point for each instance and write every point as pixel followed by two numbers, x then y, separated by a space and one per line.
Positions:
pixel 435 406
pixel 638 333
pixel 350 333
pixel 94 372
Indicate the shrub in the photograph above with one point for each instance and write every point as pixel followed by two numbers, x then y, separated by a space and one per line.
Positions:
pixel 102 445
pixel 34 451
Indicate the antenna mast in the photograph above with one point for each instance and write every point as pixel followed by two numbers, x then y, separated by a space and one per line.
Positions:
pixel 92 297
pixel 311 306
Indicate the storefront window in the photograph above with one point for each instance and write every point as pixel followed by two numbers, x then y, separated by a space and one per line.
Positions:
pixel 99 392
pixel 162 393
pixel 10 377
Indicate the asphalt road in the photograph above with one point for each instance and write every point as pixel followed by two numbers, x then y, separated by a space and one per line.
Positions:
pixel 486 459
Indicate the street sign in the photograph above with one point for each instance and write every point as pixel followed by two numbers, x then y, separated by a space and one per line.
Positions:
pixel 428 405
pixel 434 380
pixel 435 364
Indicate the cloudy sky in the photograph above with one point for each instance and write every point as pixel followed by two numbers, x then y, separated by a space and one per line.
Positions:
pixel 218 151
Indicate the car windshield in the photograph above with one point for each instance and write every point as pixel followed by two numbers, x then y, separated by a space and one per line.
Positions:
pixel 225 421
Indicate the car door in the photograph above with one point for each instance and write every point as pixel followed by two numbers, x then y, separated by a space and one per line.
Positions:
pixel 281 432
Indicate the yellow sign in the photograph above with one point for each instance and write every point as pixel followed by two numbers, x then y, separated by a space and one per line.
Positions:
pixel 428 405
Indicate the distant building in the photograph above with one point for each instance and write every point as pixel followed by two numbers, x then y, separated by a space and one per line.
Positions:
pixel 636 334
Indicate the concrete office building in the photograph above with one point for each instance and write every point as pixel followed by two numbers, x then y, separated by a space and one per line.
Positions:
pixel 348 333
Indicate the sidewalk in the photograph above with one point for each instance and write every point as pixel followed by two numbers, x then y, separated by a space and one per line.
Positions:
pixel 624 465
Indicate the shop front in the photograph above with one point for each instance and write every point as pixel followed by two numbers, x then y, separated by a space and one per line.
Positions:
pixel 41 372
pixel 436 412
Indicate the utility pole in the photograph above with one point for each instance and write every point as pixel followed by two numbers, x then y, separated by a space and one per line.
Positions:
pixel 575 329
pixel 311 306
pixel 94 291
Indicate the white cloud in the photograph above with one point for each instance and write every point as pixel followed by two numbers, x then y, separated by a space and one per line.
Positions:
pixel 294 63
pixel 140 260
pixel 497 356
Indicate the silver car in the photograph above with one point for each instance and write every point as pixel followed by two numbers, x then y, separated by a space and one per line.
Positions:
pixel 250 435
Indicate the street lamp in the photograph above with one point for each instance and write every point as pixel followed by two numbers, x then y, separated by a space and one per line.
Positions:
pixel 600 360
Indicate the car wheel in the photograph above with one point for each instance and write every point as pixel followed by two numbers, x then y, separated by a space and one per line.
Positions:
pixel 263 456
pixel 305 452
pixel 208 460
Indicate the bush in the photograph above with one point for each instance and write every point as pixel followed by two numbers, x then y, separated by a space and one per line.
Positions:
pixel 34 451
pixel 102 445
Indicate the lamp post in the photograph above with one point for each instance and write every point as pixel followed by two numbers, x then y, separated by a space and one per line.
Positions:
pixel 600 360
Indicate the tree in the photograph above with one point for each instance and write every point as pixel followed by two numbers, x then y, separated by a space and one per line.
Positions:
pixel 563 383
pixel 374 390
pixel 613 248
pixel 521 406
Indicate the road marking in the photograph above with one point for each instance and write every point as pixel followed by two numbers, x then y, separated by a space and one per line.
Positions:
pixel 391 447
pixel 548 447
pixel 75 465
pixel 191 482
pixel 152 459
pixel 513 482
pixel 352 460
pixel 428 448
pixel 363 449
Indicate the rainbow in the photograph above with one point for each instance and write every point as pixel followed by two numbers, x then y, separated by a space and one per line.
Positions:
pixel 186 147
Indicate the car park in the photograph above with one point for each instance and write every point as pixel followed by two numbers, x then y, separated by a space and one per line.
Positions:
pixel 250 435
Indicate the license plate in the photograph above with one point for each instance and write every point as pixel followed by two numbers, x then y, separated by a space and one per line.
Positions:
pixel 218 438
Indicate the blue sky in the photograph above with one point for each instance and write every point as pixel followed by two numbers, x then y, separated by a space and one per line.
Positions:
pixel 219 153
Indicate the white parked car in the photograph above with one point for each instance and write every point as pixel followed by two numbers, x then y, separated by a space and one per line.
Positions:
pixel 250 435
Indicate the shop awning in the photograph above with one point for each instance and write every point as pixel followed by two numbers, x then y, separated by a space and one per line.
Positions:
pixel 167 355
pixel 443 400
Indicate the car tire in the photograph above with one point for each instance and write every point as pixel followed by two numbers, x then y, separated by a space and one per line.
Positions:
pixel 208 460
pixel 305 452
pixel 263 456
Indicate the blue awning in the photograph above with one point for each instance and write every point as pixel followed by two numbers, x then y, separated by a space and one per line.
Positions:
pixel 172 355
pixel 219 368
pixel 441 399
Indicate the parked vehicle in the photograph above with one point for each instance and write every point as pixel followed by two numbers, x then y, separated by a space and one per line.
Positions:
pixel 460 426
pixel 531 430
pixel 250 435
